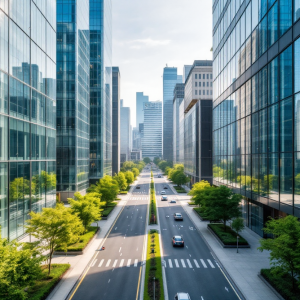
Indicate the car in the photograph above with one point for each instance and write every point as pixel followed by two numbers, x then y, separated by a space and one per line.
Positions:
pixel 162 192
pixel 165 187
pixel 178 216
pixel 164 198
pixel 138 187
pixel 173 201
pixel 159 176
pixel 182 296
pixel 177 240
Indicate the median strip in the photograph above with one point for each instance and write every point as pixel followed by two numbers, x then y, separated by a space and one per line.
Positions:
pixel 152 210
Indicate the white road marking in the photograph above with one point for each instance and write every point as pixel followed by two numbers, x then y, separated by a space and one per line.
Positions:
pixel 170 263
pixel 137 249
pixel 183 263
pixel 116 228
pixel 189 263
pixel 93 262
pixel 176 263
pixel 136 262
pixel 196 263
pixel 109 281
pixel 128 263
pixel 121 263
pixel 202 298
pixel 108 263
pixel 115 263
pixel 211 264
pixel 120 249
pixel 203 263
pixel 226 289
pixel 101 262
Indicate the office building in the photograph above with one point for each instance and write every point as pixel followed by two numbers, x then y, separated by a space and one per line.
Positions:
pixel 198 122
pixel 256 106
pixel 125 134
pixel 100 89
pixel 186 71
pixel 140 100
pixel 170 78
pixel 73 105
pixel 116 82
pixel 152 139
pixel 136 155
pixel 27 112
pixel 178 123
pixel 137 137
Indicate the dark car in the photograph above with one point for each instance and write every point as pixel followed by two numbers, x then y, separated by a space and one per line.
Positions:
pixel 177 240
pixel 138 187
pixel 178 216
pixel 173 201
pixel 159 176
pixel 165 187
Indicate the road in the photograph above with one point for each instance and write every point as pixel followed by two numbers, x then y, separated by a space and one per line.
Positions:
pixel 191 269
pixel 115 272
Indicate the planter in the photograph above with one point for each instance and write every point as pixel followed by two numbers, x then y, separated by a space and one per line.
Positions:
pixel 200 216
pixel 270 286
pixel 221 242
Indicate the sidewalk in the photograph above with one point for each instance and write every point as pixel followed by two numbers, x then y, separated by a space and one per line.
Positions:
pixel 242 267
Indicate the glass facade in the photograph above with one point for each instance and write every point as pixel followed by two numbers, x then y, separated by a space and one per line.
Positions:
pixel 170 78
pixel 100 89
pixel 256 84
pixel 27 111
pixel 73 103
pixel 140 100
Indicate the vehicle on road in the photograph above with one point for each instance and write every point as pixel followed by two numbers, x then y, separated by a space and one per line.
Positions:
pixel 138 187
pixel 162 192
pixel 164 198
pixel 178 216
pixel 159 176
pixel 173 201
pixel 177 240
pixel 182 296
pixel 165 187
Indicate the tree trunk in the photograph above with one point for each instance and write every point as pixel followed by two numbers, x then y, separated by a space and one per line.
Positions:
pixel 50 258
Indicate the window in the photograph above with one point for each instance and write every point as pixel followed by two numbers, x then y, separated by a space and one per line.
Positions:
pixel 196 92
pixel 273 81
pixel 211 84
pixel 254 13
pixel 211 92
pixel 195 76
pixel 285 73
pixel 200 92
pixel 285 17
pixel 196 83
pixel 263 29
pixel 296 10
pixel 297 65
pixel 199 83
pixel 207 83
pixel 210 76
pixel 207 76
pixel 286 125
pixel 199 76
pixel 203 92
pixel 273 25
pixel 207 92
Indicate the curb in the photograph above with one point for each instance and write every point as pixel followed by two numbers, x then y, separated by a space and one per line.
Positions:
pixel 270 286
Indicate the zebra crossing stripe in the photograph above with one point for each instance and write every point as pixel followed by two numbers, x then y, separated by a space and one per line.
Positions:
pixel 136 262
pixel 122 262
pixel 196 263
pixel 211 264
pixel 189 263
pixel 108 262
pixel 176 263
pixel 115 263
pixel 101 262
pixel 183 263
pixel 128 263
pixel 203 263
pixel 170 263
pixel 93 262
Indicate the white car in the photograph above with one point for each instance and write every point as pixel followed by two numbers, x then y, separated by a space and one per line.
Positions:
pixel 182 296
pixel 163 192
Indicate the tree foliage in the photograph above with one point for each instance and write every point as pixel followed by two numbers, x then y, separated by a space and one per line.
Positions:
pixel 238 225
pixel 284 247
pixel 200 191
pixel 147 160
pixel 121 180
pixel 129 177
pixel 156 160
pixel 53 228
pixel 135 172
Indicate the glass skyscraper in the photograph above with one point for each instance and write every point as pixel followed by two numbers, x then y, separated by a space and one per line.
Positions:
pixel 140 99
pixel 256 105
pixel 73 103
pixel 170 78
pixel 100 89
pixel 27 111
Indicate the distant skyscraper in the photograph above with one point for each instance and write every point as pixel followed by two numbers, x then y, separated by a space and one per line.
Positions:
pixel 140 100
pixel 125 134
pixel 100 89
pixel 152 139
pixel 116 80
pixel 170 78
pixel 73 103
pixel 186 71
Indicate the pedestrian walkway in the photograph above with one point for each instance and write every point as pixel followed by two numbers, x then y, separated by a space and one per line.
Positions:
pixel 115 263
pixel 190 263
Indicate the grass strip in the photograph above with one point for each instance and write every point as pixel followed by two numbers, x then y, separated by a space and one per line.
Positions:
pixel 152 210
pixel 43 287
pixel 228 237
pixel 179 189
pixel 282 284
pixel 153 268
pixel 123 193
pixel 83 241
pixel 108 209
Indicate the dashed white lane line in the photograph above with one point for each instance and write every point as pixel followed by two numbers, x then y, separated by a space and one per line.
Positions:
pixel 183 263
pixel 108 262
pixel 176 263
pixel 211 264
pixel 93 263
pixel 115 263
pixel 196 263
pixel 170 263
pixel 136 262
pixel 128 263
pixel 120 249
pixel 101 263
pixel 109 281
pixel 203 263
pixel 121 263
pixel 189 263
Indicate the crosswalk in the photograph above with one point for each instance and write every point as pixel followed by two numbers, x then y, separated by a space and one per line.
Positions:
pixel 140 198
pixel 169 263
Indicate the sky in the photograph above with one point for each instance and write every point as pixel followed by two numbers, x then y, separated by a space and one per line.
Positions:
pixel 148 34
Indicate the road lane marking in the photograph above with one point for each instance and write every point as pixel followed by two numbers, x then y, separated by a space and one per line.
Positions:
pixel 136 262
pixel 189 263
pixel 109 281
pixel 121 263
pixel 183 263
pixel 170 263
pixel 203 263
pixel 120 249
pixel 93 263
pixel 101 263
pixel 115 263
pixel 128 263
pixel 196 263
pixel 116 228
pixel 108 262
pixel 211 264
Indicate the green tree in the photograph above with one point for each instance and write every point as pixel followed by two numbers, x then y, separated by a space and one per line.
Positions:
pixel 53 228
pixel 107 187
pixel 238 225
pixel 87 207
pixel 129 177
pixel 181 179
pixel 19 268
pixel 200 191
pixel 222 204
pixel 127 165
pixel 163 164
pixel 121 180
pixel 156 160
pixel 135 172
pixel 284 247
pixel 147 160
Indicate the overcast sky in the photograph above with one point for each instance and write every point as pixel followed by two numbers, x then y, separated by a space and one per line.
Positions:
pixel 148 34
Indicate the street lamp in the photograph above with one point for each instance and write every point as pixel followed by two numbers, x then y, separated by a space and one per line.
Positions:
pixel 154 287
pixel 237 244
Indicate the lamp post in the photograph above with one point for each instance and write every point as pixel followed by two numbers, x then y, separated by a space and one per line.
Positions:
pixel 237 244
pixel 154 287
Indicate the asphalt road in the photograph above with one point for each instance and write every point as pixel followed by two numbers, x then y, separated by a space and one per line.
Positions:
pixel 191 269
pixel 115 272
